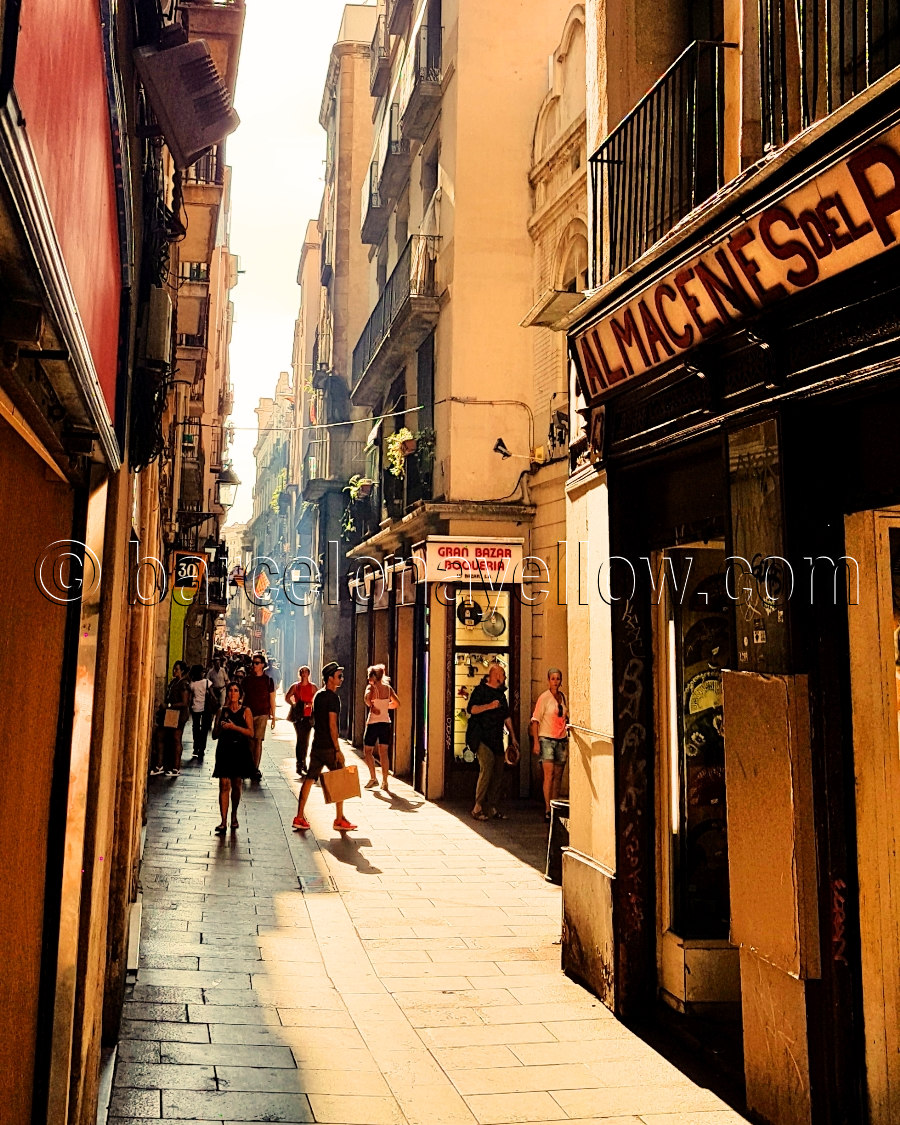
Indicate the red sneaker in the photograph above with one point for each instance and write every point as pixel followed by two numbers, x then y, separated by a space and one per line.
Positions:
pixel 301 824
pixel 344 825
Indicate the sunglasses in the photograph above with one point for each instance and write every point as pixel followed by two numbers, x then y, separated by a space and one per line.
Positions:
pixel 257 662
pixel 559 710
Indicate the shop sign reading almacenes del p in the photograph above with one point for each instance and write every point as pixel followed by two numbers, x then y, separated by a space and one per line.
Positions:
pixel 847 215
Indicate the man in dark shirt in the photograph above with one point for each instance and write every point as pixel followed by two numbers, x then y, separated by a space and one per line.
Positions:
pixel 259 696
pixel 489 714
pixel 325 752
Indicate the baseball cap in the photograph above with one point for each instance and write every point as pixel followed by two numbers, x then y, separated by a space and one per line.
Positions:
pixel 329 670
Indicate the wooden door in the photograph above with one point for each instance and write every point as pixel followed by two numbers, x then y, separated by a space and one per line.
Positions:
pixel 873 541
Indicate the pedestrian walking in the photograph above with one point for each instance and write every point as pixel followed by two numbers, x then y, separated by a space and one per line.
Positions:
pixel 274 672
pixel 325 752
pixel 218 677
pixel 204 704
pixel 488 716
pixel 171 717
pixel 234 760
pixel 300 696
pixel 259 696
pixel 549 729
pixel 380 699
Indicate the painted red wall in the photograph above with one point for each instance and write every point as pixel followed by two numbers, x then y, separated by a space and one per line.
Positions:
pixel 60 82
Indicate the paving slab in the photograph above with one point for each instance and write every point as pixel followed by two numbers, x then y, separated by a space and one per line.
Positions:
pixel 408 974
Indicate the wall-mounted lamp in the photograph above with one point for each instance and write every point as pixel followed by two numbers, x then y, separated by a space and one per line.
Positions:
pixel 500 447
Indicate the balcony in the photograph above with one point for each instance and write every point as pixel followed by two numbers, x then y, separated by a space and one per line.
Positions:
pixel 221 24
pixel 406 313
pixel 374 215
pixel 398 12
pixel 202 188
pixel 193 295
pixel 190 355
pixel 330 461
pixel 381 59
pixel 327 257
pixel 858 44
pixel 388 173
pixel 663 160
pixel 419 89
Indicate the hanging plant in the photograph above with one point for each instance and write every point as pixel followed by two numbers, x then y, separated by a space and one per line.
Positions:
pixel 348 524
pixel 359 487
pixel 396 448
pixel 279 488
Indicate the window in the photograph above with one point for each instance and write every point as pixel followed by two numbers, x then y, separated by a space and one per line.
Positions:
pixel 429 175
pixel 575 265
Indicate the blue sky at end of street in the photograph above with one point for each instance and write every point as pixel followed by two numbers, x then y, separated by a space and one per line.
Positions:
pixel 277 159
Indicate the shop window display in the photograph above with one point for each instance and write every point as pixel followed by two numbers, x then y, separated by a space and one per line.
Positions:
pixel 482 636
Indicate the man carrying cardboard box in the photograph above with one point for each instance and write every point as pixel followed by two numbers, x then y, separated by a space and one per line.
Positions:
pixel 325 752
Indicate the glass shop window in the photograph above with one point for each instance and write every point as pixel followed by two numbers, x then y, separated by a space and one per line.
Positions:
pixel 698 646
pixel 482 636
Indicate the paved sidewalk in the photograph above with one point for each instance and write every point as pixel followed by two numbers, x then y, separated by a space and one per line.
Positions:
pixel 406 974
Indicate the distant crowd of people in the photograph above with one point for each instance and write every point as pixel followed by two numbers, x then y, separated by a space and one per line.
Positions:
pixel 234 699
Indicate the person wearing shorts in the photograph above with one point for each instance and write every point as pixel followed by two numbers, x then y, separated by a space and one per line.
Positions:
pixel 259 696
pixel 325 752
pixel 380 699
pixel 550 735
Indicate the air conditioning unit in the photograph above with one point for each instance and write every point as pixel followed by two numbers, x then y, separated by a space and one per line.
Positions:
pixel 190 100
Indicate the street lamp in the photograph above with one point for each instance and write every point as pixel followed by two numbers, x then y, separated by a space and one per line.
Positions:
pixel 226 487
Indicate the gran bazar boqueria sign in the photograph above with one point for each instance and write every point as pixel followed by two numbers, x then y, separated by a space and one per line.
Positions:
pixel 845 216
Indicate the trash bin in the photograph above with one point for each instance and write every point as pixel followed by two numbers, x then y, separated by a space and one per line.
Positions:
pixel 559 839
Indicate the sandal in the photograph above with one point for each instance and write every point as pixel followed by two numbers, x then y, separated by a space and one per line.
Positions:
pixel 220 829
pixel 500 816
pixel 480 815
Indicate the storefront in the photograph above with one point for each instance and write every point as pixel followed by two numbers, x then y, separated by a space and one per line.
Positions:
pixel 744 399
pixel 437 619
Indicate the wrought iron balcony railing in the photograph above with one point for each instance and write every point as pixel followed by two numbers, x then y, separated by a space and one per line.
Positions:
pixel 413 277
pixel 662 160
pixel 844 46
pixel 207 170
pixel 419 88
pixel 381 69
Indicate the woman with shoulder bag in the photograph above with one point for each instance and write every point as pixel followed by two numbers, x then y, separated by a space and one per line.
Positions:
pixel 171 719
pixel 300 696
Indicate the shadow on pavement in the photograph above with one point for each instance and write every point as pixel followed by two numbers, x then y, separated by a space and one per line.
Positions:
pixel 523 832
pixel 347 850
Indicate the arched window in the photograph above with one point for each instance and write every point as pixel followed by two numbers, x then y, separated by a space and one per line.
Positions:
pixel 572 274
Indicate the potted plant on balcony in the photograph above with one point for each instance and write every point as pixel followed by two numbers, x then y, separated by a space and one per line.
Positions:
pixel 397 448
pixel 359 487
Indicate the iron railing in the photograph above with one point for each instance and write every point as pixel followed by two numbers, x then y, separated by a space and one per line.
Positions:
pixel 207 170
pixel 413 276
pixel 379 53
pixel 315 461
pixel 844 46
pixel 662 160
pixel 422 64
pixel 193 271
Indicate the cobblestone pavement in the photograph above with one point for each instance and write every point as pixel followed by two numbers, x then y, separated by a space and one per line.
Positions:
pixel 406 974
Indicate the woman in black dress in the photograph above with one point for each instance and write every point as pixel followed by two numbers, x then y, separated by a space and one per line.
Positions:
pixel 234 761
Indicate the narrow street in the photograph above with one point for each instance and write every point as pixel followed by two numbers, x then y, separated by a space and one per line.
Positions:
pixel 408 973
